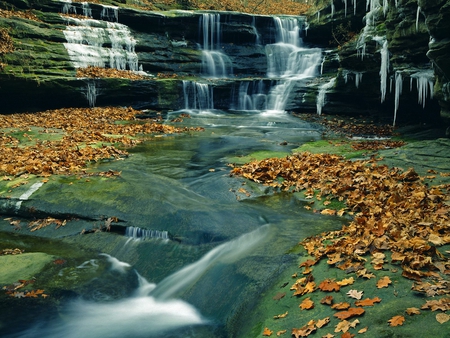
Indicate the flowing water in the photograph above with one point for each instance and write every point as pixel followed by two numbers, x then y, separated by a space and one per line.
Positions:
pixel 196 247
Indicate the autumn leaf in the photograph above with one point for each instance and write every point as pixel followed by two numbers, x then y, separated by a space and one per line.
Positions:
pixel 355 294
pixel 396 321
pixel 322 322
pixel 442 318
pixel 412 311
pixel 341 306
pixel 367 302
pixel 346 281
pixel 267 332
pixel 279 333
pixel 345 325
pixel 328 300
pixel 329 285
pixel 281 316
pixel 307 304
pixel 363 330
pixel 384 282
pixel 303 331
pixel 279 295
pixel 347 335
pixel 351 312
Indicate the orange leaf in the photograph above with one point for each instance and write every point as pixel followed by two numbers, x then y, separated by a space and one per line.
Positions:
pixel 307 304
pixel 341 306
pixel 329 285
pixel 351 312
pixel 347 335
pixel 396 321
pixel 384 282
pixel 367 301
pixel 304 331
pixel 412 311
pixel 267 332
pixel 322 322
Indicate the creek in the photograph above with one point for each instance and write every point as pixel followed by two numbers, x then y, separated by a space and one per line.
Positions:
pixel 194 247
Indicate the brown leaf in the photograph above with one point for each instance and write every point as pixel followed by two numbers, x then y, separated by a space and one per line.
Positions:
pixel 363 330
pixel 328 300
pixel 322 322
pixel 279 295
pixel 329 285
pixel 442 317
pixel 347 335
pixel 307 304
pixel 384 282
pixel 396 321
pixel 367 302
pixel 267 332
pixel 412 311
pixel 351 312
pixel 304 331
pixel 279 333
pixel 341 306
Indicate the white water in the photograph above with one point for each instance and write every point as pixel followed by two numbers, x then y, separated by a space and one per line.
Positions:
pixel 152 310
pixel 198 96
pixel 215 64
pixel 139 233
pixel 425 85
pixel 88 41
pixel 384 67
pixel 26 195
pixel 287 63
pixel 320 100
pixel 91 93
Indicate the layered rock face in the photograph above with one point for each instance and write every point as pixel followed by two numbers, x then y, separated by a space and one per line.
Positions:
pixel 393 58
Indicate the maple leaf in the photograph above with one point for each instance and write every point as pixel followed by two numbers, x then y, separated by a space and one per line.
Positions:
pixel 396 321
pixel 307 304
pixel 384 282
pixel 412 311
pixel 367 302
pixel 267 332
pixel 355 294
pixel 329 285
pixel 351 312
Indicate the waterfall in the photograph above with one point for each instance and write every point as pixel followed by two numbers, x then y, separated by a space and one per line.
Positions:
pixel 91 93
pixel 110 13
pixel 87 11
pixel 214 63
pixel 287 63
pixel 320 101
pixel 417 18
pixel 87 40
pixel 197 96
pixel 139 233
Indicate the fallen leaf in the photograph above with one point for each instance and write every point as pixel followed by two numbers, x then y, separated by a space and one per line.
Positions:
pixel 307 304
pixel 322 322
pixel 442 317
pixel 412 311
pixel 367 302
pixel 396 321
pixel 281 316
pixel 363 330
pixel 328 300
pixel 279 333
pixel 279 295
pixel 346 281
pixel 304 331
pixel 341 306
pixel 347 335
pixel 329 285
pixel 351 312
pixel 355 294
pixel 267 332
pixel 384 282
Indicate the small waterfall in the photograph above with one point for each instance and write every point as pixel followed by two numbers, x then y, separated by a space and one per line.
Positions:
pixel 87 40
pixel 87 11
pixel 214 63
pixel 139 233
pixel 68 8
pixel 91 93
pixel 320 100
pixel 110 13
pixel 287 63
pixel 198 96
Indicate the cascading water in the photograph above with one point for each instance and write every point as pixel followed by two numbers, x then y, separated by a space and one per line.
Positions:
pixel 215 64
pixel 197 96
pixel 287 63
pixel 139 233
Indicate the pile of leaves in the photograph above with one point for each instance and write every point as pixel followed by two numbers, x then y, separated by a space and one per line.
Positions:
pixel 392 211
pixel 18 14
pixel 99 72
pixel 14 290
pixel 395 219
pixel 86 135
pixel 265 7
pixel 377 145
pixel 6 43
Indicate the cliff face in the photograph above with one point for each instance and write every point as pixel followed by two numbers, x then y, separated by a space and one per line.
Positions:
pixel 387 61
pixel 393 59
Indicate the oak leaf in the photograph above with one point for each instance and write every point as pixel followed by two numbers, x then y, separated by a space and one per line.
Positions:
pixel 367 302
pixel 346 281
pixel 396 321
pixel 329 285
pixel 322 322
pixel 328 300
pixel 307 304
pixel 304 331
pixel 384 282
pixel 355 294
pixel 442 317
pixel 347 335
pixel 341 306
pixel 412 311
pixel 351 312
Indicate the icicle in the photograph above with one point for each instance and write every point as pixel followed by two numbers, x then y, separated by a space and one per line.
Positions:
pixel 354 7
pixel 417 18
pixel 398 92
pixel 318 15
pixel 345 7
pixel 384 69
pixel 320 101
pixel 358 79
pixel 385 7
pixel 91 93
pixel 332 8
pixel 425 86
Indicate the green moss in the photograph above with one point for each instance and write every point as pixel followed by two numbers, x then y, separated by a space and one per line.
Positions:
pixel 338 147
pixel 257 156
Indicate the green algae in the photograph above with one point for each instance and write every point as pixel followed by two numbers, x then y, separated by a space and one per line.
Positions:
pixel 257 156
pixel 22 266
